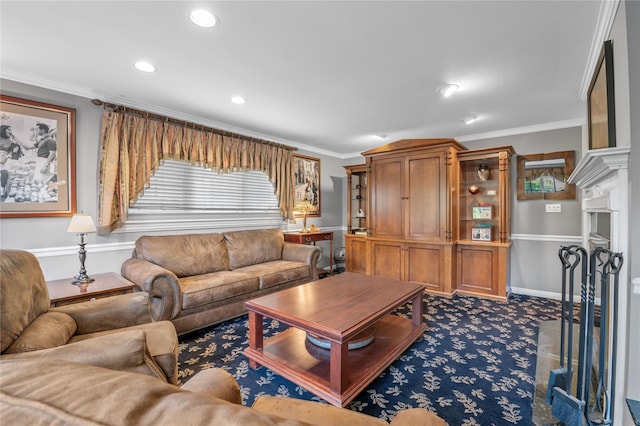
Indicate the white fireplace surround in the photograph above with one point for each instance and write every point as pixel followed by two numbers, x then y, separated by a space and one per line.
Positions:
pixel 603 177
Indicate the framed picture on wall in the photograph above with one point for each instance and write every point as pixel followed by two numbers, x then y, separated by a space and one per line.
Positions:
pixel 306 172
pixel 37 159
pixel 601 102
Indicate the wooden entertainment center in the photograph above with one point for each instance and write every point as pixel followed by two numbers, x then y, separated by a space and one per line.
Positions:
pixel 433 212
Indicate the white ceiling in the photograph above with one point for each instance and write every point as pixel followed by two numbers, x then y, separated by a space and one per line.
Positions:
pixel 323 76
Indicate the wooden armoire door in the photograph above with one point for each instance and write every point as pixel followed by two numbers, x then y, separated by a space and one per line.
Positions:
pixel 423 203
pixel 386 198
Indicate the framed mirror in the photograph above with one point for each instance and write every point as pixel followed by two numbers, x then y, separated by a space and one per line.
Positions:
pixel 544 176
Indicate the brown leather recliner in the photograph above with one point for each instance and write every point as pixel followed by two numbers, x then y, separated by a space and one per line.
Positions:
pixel 115 332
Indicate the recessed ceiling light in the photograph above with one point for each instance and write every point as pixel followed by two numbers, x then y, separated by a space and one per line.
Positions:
pixel 470 119
pixel 203 18
pixel 145 66
pixel 448 90
pixel 238 100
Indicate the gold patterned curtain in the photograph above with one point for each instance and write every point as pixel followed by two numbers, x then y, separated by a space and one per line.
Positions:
pixel 133 144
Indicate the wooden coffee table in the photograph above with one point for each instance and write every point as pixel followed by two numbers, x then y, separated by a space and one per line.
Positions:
pixel 339 309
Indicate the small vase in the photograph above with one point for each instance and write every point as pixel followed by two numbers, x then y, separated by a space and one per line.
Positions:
pixel 483 172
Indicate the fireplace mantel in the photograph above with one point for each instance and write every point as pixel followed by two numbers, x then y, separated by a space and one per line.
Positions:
pixel 598 166
pixel 603 177
pixel 602 173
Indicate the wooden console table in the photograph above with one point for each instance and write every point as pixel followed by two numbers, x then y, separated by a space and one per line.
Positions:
pixel 62 292
pixel 312 237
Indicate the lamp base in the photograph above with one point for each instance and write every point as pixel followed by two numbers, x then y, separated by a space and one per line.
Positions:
pixel 82 279
pixel 304 231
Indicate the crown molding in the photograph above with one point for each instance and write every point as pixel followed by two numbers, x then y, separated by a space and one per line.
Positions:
pixel 578 122
pixel 606 16
pixel 156 109
pixel 90 94
pixel 45 83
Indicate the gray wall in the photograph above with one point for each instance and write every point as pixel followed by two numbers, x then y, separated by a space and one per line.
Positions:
pixel 57 250
pixel 633 258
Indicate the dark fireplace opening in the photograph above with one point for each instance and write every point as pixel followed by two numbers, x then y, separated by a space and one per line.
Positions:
pixel 600 234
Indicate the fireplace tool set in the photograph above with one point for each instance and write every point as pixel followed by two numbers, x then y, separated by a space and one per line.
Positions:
pixel 590 400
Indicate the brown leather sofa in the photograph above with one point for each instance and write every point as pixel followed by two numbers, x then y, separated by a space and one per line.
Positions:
pixel 115 332
pixel 196 280
pixel 56 392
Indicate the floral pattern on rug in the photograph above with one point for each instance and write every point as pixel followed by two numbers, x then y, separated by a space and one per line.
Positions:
pixel 474 365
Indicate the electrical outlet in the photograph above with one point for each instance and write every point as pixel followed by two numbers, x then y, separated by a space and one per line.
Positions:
pixel 554 208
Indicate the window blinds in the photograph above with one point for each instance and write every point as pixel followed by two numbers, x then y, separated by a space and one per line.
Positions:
pixel 181 193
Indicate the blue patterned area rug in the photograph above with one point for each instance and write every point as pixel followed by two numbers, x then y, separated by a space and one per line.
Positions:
pixel 475 364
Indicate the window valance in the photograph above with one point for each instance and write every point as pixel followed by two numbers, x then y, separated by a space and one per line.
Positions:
pixel 134 143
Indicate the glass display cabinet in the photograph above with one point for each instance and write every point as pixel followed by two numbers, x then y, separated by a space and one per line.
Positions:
pixel 357 218
pixel 484 221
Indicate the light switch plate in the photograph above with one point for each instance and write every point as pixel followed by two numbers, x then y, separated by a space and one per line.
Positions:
pixel 554 208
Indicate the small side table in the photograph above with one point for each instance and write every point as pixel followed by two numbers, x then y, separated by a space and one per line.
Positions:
pixel 312 237
pixel 62 292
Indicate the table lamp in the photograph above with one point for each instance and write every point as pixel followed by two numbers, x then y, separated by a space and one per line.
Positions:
pixel 82 224
pixel 305 207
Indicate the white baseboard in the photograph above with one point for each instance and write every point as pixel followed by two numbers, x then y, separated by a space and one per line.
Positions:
pixel 536 293
pixel 546 294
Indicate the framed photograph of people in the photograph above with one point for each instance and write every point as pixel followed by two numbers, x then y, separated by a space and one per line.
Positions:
pixel 306 172
pixel 37 159
pixel 601 102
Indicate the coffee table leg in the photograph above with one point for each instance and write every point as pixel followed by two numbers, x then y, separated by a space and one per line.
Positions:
pixel 256 341
pixel 417 310
pixel 339 367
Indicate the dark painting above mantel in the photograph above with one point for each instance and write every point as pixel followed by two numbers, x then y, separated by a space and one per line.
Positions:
pixel 601 102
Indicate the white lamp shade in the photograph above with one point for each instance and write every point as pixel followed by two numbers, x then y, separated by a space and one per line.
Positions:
pixel 81 224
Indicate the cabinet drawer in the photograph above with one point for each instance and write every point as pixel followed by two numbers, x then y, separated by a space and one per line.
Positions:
pixel 90 297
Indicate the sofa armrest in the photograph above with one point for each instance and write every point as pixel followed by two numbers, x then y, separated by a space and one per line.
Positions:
pixel 161 284
pixel 215 382
pixel 127 351
pixel 303 253
pixel 108 313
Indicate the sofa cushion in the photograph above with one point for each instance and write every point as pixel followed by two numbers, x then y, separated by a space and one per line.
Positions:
pixel 252 247
pixel 208 288
pixel 125 351
pixel 49 330
pixel 161 342
pixel 277 272
pixel 185 255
